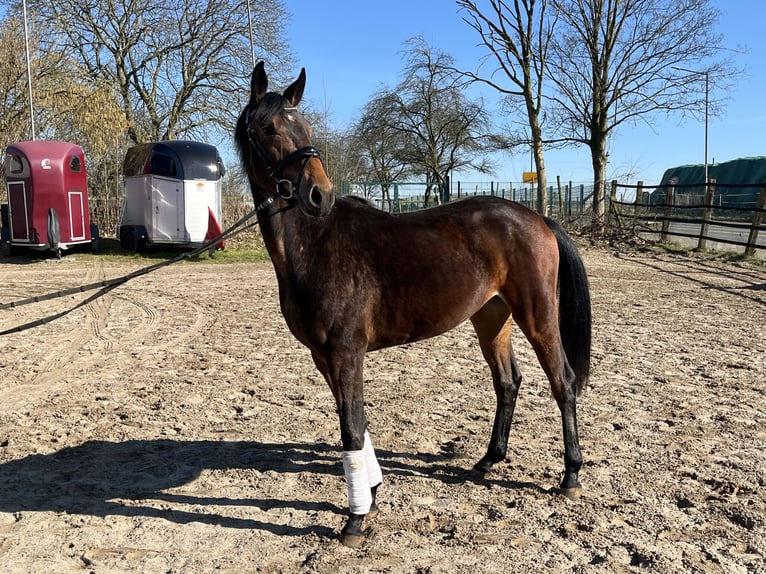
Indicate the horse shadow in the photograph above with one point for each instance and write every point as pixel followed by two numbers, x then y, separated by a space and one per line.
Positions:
pixel 98 477
pixel 102 478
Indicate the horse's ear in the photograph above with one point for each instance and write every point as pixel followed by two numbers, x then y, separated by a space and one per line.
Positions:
pixel 258 84
pixel 294 91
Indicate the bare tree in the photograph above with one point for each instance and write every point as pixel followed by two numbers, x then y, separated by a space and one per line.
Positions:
pixel 443 131
pixel 379 146
pixel 616 62
pixel 179 67
pixel 517 36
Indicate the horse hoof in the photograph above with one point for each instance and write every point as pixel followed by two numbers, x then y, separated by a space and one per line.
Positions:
pixel 352 534
pixel 374 511
pixel 477 473
pixel 352 540
pixel 573 493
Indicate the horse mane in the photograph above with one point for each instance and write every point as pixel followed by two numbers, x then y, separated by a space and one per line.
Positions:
pixel 240 134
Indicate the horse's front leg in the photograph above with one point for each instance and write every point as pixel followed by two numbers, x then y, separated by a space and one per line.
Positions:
pixel 360 465
pixel 363 476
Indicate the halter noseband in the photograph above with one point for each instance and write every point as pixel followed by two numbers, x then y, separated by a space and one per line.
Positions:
pixel 274 169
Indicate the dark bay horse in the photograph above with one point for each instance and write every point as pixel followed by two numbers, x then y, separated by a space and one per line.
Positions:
pixel 354 279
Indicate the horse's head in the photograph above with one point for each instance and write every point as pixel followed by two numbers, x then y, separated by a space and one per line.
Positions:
pixel 274 140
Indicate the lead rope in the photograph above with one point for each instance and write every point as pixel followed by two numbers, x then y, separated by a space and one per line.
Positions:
pixel 108 284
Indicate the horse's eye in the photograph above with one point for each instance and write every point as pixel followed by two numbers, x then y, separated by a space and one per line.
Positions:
pixel 269 130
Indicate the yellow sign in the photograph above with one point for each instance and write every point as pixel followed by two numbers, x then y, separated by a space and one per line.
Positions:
pixel 529 177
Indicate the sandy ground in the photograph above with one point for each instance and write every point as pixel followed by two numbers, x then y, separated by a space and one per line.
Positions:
pixel 175 426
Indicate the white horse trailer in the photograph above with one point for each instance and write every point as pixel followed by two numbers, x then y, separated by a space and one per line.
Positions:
pixel 172 195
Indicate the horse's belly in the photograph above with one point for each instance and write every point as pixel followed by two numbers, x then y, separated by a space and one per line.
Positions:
pixel 410 323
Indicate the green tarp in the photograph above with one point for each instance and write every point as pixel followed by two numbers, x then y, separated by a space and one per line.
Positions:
pixel 738 182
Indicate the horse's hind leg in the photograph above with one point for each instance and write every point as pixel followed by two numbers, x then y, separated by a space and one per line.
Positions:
pixel 542 331
pixel 493 326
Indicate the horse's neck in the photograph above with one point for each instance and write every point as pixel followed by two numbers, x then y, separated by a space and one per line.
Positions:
pixel 287 238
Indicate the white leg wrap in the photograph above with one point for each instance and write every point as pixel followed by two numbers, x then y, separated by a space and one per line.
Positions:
pixel 359 493
pixel 374 474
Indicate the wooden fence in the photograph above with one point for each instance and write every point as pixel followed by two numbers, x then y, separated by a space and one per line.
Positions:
pixel 717 213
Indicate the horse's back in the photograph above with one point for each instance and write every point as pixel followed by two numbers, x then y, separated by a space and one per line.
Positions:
pixel 471 211
pixel 480 230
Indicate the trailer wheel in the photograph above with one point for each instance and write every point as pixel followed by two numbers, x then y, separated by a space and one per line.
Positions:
pixel 95 239
pixel 137 238
pixel 54 232
pixel 124 233
pixel 130 242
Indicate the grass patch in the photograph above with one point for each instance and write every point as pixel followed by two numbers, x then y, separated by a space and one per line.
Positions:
pixel 110 250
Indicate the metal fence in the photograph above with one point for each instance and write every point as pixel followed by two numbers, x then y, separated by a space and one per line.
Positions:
pixel 713 217
pixel 564 200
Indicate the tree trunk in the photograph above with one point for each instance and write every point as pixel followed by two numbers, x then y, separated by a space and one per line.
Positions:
pixel 542 192
pixel 599 161
pixel 537 151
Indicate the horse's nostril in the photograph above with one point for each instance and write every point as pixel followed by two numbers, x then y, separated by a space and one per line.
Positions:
pixel 315 196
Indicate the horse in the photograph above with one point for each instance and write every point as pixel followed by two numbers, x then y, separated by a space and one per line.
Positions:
pixel 353 279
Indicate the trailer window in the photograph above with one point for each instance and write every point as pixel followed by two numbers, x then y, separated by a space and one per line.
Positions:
pixel 75 164
pixel 13 164
pixel 163 165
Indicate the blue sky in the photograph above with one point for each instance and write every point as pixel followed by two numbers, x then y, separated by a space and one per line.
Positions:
pixel 351 48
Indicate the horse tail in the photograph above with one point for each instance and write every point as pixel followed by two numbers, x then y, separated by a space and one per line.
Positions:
pixel 574 305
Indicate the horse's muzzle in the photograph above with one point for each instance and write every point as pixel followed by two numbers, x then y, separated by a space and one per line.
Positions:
pixel 318 201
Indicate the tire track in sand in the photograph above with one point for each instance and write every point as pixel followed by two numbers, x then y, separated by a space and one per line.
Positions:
pixel 63 356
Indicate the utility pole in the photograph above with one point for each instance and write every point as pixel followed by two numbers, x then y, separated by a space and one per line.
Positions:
pixel 705 73
pixel 29 69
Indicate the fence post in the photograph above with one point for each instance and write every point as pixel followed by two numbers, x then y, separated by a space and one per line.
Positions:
pixel 610 203
pixel 613 207
pixel 550 200
pixel 666 215
pixel 709 194
pixel 638 203
pixel 757 218
pixel 639 198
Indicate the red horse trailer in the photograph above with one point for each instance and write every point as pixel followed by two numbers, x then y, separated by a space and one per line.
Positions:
pixel 47 196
